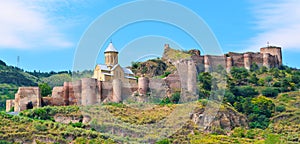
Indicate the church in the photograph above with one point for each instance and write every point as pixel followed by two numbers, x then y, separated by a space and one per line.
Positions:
pixel 112 69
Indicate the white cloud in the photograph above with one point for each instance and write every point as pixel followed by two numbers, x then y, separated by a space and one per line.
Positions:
pixel 277 22
pixel 23 25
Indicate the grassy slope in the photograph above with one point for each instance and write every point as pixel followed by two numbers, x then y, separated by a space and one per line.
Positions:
pixel 24 129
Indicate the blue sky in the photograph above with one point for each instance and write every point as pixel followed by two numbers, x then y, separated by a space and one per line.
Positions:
pixel 45 34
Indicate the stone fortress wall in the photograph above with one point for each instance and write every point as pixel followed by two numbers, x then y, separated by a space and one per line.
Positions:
pixel 268 56
pixel 90 91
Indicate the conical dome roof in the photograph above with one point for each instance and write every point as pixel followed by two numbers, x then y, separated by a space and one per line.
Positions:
pixel 110 48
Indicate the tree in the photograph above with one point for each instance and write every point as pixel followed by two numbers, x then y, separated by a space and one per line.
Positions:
pixel 239 74
pixel 45 89
pixel 206 80
pixel 268 80
pixel 253 79
pixel 229 97
pixel 244 91
pixel 254 67
pixel 263 69
pixel 265 106
pixel 270 92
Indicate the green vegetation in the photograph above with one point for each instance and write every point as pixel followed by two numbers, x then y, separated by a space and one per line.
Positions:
pixel 48 112
pixel 174 99
pixel 45 89
pixel 247 91
pixel 18 129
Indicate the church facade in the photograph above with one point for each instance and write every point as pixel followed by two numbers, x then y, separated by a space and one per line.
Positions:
pixel 112 69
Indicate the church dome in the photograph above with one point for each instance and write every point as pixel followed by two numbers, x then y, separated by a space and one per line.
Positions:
pixel 110 48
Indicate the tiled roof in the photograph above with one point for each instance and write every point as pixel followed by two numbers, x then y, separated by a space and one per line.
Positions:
pixel 127 70
pixel 103 67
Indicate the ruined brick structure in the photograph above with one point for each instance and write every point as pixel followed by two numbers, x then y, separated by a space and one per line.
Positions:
pixel 27 97
pixel 269 57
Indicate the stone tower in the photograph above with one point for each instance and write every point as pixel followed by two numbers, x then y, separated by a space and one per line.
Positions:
pixel 274 51
pixel 111 56
pixel 143 85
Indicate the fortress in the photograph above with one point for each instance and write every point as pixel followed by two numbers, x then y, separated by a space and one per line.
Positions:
pixel 270 57
pixel 113 83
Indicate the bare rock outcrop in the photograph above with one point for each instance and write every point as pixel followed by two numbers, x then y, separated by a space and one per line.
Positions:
pixel 226 119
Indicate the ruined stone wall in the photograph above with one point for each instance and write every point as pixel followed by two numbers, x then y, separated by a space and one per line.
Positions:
pixel 106 90
pixel 257 58
pixel 199 62
pixel 127 90
pixel 25 96
pixel 57 97
pixel 9 104
pixel 173 82
pixel 237 58
pixel 216 61
pixel 157 88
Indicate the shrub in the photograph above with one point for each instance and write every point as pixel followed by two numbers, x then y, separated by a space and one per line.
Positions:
pixel 114 104
pixel 280 108
pixel 229 97
pixel 163 141
pixel 205 80
pixel 175 97
pixel 165 101
pixel 250 134
pixel 239 132
pixel 3 141
pixel 270 92
pixel 239 74
pixel 166 73
pixel 11 109
pixel 40 127
pixel 272 139
pixel 245 91
pixel 78 124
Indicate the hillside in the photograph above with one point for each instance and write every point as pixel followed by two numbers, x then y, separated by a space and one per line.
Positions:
pixel 45 125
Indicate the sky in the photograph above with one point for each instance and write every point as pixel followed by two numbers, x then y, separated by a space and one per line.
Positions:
pixel 46 35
